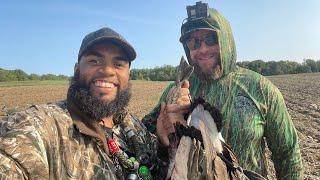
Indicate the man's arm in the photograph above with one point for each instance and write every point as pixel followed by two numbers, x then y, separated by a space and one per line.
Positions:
pixel 22 150
pixel 282 137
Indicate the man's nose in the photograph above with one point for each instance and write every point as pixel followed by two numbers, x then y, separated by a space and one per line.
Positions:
pixel 203 47
pixel 108 70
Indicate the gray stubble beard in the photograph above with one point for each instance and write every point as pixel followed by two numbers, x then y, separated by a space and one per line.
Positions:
pixel 215 73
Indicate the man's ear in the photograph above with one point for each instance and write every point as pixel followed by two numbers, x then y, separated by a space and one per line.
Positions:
pixel 76 67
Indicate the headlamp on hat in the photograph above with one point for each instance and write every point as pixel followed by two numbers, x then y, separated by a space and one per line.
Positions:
pixel 198 11
pixel 198 16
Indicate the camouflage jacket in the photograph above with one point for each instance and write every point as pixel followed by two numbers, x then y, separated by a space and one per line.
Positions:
pixel 51 142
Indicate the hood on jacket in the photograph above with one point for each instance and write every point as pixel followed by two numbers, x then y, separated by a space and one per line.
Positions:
pixel 215 22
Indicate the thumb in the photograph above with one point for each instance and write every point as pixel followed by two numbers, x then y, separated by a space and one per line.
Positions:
pixel 164 140
pixel 185 84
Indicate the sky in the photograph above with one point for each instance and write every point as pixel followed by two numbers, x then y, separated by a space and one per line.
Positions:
pixel 44 36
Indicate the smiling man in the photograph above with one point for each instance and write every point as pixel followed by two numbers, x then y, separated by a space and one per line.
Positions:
pixel 91 135
pixel 253 110
pixel 206 59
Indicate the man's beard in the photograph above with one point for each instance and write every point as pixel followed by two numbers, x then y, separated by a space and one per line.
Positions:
pixel 80 96
pixel 214 74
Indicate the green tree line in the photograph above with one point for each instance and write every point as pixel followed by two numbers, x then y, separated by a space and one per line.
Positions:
pixel 281 67
pixel 168 72
pixel 20 75
pixel 163 73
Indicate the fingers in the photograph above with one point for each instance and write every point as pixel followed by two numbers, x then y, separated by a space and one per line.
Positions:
pixel 184 98
pixel 185 84
pixel 164 140
pixel 184 101
pixel 179 96
pixel 165 119
pixel 164 125
pixel 175 108
pixel 168 126
pixel 168 129
pixel 184 92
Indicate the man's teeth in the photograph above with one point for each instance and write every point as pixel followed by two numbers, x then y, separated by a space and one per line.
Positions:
pixel 206 58
pixel 103 84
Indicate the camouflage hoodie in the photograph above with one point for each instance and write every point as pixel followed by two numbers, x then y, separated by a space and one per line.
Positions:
pixel 253 110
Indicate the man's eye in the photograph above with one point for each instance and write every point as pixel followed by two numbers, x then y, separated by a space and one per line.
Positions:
pixel 93 61
pixel 118 64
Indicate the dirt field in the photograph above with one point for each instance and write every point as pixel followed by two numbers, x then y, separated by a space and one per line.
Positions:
pixel 301 93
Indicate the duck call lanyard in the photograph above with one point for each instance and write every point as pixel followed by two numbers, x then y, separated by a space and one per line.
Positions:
pixel 134 166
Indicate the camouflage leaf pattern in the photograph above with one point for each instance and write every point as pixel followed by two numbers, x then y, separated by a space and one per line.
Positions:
pixel 44 143
pixel 253 111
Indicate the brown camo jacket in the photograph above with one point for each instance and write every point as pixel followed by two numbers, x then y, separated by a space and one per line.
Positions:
pixel 44 142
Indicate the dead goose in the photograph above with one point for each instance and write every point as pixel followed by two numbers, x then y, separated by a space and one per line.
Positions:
pixel 197 150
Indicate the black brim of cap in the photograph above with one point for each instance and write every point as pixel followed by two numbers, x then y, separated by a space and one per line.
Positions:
pixel 194 25
pixel 187 34
pixel 128 49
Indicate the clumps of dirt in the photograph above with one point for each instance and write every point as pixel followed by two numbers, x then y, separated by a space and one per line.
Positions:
pixel 302 96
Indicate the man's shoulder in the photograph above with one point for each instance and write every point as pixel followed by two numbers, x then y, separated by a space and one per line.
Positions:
pixel 60 107
pixel 47 112
pixel 256 84
pixel 251 77
pixel 36 116
pixel 248 74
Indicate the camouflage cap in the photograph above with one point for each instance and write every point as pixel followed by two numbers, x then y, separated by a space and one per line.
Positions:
pixel 108 35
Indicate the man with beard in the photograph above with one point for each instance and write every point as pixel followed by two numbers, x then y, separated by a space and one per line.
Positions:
pixel 91 135
pixel 253 109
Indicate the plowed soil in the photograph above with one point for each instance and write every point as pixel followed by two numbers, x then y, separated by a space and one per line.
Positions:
pixel 301 93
